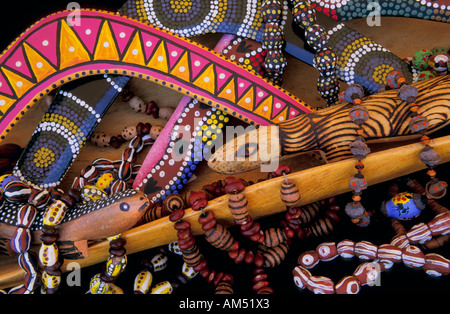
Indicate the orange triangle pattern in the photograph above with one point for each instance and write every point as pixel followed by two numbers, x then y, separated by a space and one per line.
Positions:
pixel 71 49
pixel 18 83
pixel 159 59
pixel 135 54
pixel 106 48
pixel 181 68
pixel 41 67
pixel 207 80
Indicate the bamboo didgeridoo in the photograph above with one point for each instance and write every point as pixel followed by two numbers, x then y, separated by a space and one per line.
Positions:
pixel 314 184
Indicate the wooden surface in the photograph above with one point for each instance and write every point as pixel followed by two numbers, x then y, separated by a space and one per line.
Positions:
pixel 400 35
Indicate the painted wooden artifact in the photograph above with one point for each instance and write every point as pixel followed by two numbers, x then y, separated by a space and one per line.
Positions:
pixel 435 10
pixel 64 128
pixel 86 221
pixel 360 60
pixel 330 130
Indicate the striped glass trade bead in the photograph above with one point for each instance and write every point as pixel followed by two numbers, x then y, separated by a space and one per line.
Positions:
pixel 16 191
pixel 48 254
pixel 89 173
pixel 143 282
pixel 39 198
pixel 163 287
pixel 21 240
pixel 55 213
pixel 125 170
pixel 26 216
pixel 28 262
pixel 50 281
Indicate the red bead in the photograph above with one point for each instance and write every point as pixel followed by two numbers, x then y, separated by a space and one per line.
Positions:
pixel 240 256
pixel 235 246
pixel 289 232
pixel 176 215
pixel 229 180
pixel 255 229
pixel 259 260
pixel 195 196
pixel 183 234
pixel 218 278
pixel 201 265
pixel 260 284
pixel 146 129
pixel 249 257
pixel 265 290
pixel 280 170
pixel 205 272
pixel 182 225
pixel 247 224
pixel 187 245
pixel 259 277
pixel 233 187
pixel 203 219
pixel 211 276
pixel 228 278
pixel 210 224
pixel 233 254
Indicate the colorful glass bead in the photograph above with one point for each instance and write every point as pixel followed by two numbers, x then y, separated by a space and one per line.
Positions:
pixel 301 276
pixel 436 265
pixel 320 285
pixel 325 61
pixel 28 262
pixel 419 233
pixel 174 248
pixel 118 186
pixel 25 216
pixel 429 156
pixel 159 262
pixel 389 254
pixel 303 13
pixel 316 37
pixel 21 239
pixel 425 75
pixel 359 115
pixel 413 257
pixel 359 148
pixel 418 123
pixel 408 93
pixel 51 281
pixel 163 287
pixel 346 248
pixel 98 286
pixel 366 250
pixel 7 178
pixel 39 198
pixel 327 251
pixel 273 37
pixel 404 205
pixel 105 181
pixel 92 193
pixel 115 265
pixel 89 173
pixel 125 170
pixel 55 213
pixel 114 289
pixel 188 271
pixel 436 189
pixel 16 191
pixel 357 184
pixel 143 282
pixel 367 273
pixel 48 254
pixel 420 59
pixel 103 164
pixel 348 285
pixel 32 281
pixel 393 79
pixel 308 259
pixel 440 225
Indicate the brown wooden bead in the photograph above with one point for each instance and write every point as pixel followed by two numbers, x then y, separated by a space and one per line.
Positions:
pixel 274 236
pixel 238 205
pixel 224 287
pixel 176 215
pixel 260 284
pixel 290 195
pixel 241 255
pixel 220 237
pixel 273 256
pixel 182 225
pixel 192 256
pixel 205 218
pixel 173 202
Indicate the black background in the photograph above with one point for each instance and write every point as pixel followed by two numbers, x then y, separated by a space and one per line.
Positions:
pixel 17 16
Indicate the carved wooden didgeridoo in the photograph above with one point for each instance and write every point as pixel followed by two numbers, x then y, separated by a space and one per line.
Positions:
pixel 330 130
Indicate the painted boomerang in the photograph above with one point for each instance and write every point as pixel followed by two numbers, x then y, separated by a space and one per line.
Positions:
pixel 331 130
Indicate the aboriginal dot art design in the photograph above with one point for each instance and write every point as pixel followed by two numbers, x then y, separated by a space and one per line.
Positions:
pixel 436 10
pixel 63 131
pixel 8 211
pixel 108 43
pixel 194 17
pixel 362 61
